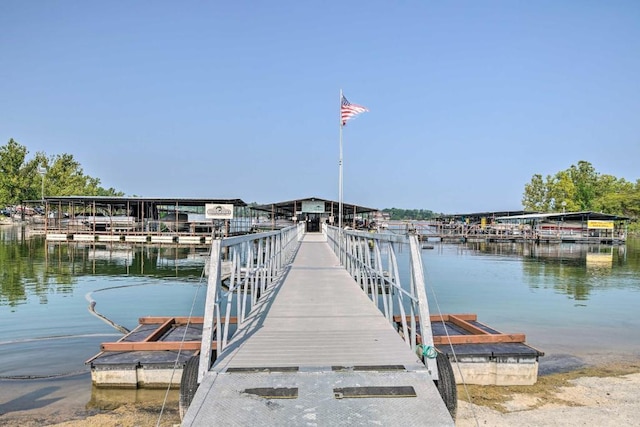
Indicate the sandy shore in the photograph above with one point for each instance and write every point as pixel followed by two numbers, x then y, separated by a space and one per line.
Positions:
pixel 586 401
pixel 604 395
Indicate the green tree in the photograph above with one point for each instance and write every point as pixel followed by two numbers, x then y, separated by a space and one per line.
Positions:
pixel 535 195
pixel 581 187
pixel 585 178
pixel 63 176
pixel 562 193
pixel 408 214
pixel 16 176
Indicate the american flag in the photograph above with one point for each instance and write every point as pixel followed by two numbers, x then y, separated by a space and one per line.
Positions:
pixel 348 110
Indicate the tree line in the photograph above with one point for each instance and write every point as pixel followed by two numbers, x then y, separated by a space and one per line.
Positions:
pixel 56 175
pixel 582 188
pixel 578 188
pixel 409 214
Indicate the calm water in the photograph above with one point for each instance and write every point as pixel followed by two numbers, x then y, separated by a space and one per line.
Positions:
pixel 567 299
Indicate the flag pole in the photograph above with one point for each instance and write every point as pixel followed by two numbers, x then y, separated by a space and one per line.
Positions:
pixel 340 195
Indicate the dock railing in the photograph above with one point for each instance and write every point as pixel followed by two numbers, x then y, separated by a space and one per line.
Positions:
pixel 371 260
pixel 256 261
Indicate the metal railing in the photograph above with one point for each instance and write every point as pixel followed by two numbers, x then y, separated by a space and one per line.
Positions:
pixel 370 258
pixel 256 261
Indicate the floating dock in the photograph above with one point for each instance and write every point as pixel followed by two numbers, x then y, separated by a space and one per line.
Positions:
pixel 150 356
pixel 153 354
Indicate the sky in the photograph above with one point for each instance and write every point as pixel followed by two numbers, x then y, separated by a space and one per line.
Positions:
pixel 240 99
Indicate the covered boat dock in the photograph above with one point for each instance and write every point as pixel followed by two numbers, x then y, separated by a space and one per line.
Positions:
pixel 141 219
pixel 314 211
pixel 570 227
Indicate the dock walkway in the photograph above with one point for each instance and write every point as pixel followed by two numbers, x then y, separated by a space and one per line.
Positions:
pixel 316 351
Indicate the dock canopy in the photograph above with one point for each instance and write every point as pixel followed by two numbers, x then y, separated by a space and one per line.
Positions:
pixel 476 217
pixel 69 217
pixel 315 211
pixel 123 201
pixel 565 216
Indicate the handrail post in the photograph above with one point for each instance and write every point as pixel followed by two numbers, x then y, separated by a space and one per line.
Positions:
pixel 417 271
pixel 213 284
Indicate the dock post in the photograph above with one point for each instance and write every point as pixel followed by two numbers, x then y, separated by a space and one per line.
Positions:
pixel 209 309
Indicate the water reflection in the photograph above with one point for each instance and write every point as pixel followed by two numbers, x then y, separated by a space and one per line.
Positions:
pixel 34 268
pixel 575 270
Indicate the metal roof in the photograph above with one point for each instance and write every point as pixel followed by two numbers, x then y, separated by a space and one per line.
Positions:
pixel 490 214
pixel 567 216
pixel 289 207
pixel 156 200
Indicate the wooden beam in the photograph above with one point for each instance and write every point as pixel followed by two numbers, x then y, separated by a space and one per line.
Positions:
pixel 445 317
pixel 440 318
pixel 160 330
pixel 150 346
pixel 150 320
pixel 467 326
pixel 479 339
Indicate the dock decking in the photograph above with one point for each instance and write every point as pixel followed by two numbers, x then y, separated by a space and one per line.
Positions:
pixel 316 351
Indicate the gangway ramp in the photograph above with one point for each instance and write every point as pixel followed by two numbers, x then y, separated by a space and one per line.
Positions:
pixel 316 351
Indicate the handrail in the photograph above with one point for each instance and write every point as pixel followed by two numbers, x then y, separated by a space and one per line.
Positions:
pixel 257 261
pixel 370 258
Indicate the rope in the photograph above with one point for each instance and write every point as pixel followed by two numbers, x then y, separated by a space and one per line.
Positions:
pixel 453 351
pixel 427 351
pixel 182 340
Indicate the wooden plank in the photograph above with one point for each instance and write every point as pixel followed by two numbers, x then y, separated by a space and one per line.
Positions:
pixel 445 317
pixel 440 317
pixel 150 346
pixel 467 326
pixel 160 330
pixel 179 320
pixel 479 339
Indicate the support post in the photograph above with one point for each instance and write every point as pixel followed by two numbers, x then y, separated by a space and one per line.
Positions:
pixel 417 270
pixel 210 309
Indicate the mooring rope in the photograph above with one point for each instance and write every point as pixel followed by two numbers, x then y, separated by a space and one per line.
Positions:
pixel 182 340
pixel 453 351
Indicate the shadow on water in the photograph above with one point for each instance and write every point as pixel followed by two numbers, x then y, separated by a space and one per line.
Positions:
pixel 111 398
pixel 31 400
pixel 558 363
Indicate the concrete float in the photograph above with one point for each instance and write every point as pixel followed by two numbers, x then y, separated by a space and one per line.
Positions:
pixel 154 353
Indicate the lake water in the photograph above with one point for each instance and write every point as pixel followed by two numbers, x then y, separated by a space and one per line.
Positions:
pixel 570 300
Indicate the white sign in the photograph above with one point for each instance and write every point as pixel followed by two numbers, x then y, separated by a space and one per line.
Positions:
pixel 312 206
pixel 214 211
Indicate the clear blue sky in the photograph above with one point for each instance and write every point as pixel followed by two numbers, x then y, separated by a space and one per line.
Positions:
pixel 468 99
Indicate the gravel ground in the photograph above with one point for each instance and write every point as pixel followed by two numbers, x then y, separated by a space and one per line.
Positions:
pixel 589 401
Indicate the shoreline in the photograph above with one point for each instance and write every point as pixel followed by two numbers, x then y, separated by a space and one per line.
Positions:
pixel 593 389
